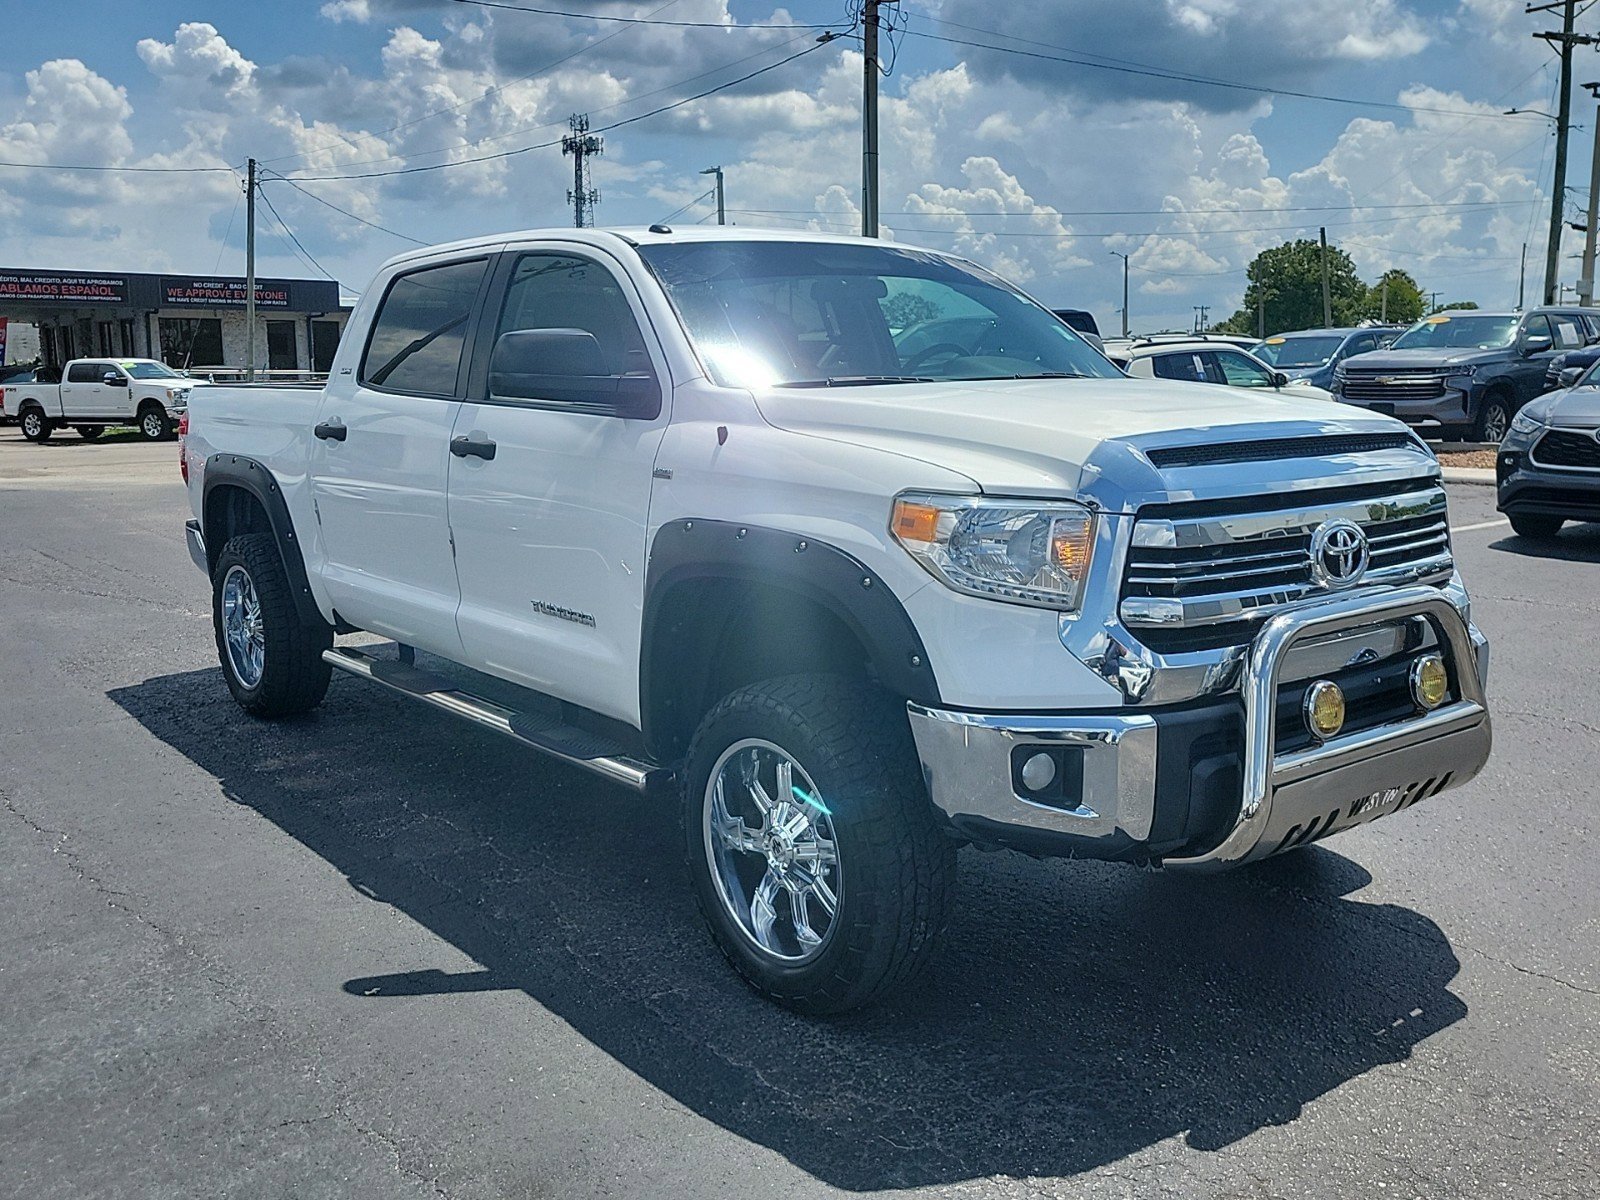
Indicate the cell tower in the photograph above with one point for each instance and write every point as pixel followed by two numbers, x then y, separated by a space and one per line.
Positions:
pixel 580 143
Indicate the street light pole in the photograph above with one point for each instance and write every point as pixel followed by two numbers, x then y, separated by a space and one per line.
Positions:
pixel 869 119
pixel 1124 258
pixel 250 271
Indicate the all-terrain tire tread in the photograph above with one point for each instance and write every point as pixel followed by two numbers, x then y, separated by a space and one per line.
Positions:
pixel 295 678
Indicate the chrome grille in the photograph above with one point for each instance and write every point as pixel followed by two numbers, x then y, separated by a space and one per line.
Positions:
pixel 1387 386
pixel 1220 572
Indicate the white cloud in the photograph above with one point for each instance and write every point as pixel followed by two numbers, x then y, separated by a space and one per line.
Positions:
pixel 358 11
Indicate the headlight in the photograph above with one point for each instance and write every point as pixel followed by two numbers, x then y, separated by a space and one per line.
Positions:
pixel 1523 423
pixel 1019 551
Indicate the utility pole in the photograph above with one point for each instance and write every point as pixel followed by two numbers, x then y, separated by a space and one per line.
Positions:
pixel 1383 309
pixel 722 218
pixel 872 21
pixel 250 185
pixel 1586 281
pixel 1327 294
pixel 581 144
pixel 1200 313
pixel 1261 312
pixel 1563 41
pixel 1522 279
pixel 1124 259
pixel 1433 302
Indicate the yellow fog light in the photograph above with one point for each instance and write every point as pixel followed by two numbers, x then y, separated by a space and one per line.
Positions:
pixel 1430 682
pixel 1324 709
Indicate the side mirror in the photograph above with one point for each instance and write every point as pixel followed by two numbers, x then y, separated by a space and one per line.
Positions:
pixel 1537 344
pixel 567 366
pixel 1279 379
pixel 1570 376
pixel 113 379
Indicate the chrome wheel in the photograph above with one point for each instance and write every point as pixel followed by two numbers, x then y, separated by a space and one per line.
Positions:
pixel 153 425
pixel 32 424
pixel 1495 423
pixel 241 627
pixel 770 843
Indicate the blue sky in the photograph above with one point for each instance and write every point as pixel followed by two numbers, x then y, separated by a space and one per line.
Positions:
pixel 1041 169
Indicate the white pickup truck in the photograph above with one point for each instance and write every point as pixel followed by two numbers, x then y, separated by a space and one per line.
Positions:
pixel 96 392
pixel 857 552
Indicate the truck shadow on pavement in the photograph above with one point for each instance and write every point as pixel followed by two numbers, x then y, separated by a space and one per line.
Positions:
pixel 1078 1013
pixel 1576 543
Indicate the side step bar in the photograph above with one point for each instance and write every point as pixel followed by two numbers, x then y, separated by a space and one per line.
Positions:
pixel 565 742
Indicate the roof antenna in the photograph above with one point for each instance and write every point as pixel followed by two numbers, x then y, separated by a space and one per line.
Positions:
pixel 658 227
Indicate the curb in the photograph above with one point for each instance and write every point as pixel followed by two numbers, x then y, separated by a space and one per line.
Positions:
pixel 1442 447
pixel 1481 476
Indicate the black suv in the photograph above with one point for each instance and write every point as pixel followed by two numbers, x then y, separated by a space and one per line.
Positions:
pixel 1469 371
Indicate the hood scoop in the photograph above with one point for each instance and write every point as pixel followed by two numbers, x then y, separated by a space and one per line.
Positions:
pixel 1269 449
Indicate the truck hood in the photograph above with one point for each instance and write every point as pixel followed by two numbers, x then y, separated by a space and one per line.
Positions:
pixel 1063 437
pixel 1423 359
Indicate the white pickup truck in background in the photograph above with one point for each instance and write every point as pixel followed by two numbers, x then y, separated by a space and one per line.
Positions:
pixel 856 551
pixel 97 392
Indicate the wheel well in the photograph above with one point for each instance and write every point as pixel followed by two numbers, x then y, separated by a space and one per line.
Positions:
pixel 713 636
pixel 148 403
pixel 231 511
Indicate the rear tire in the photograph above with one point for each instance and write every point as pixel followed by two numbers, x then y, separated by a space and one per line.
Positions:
pixel 857 819
pixel 1540 528
pixel 90 432
pixel 36 427
pixel 271 658
pixel 153 423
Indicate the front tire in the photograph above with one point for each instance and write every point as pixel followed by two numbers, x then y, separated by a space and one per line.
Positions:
pixel 90 432
pixel 1493 421
pixel 816 858
pixel 271 658
pixel 36 427
pixel 1531 525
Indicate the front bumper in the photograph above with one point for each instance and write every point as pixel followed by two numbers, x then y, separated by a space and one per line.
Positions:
pixel 1453 406
pixel 1526 488
pixel 1146 786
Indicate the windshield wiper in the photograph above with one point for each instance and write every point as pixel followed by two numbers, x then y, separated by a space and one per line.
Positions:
pixel 1031 375
pixel 856 380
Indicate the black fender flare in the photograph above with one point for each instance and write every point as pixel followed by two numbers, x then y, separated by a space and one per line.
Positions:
pixel 248 475
pixel 698 549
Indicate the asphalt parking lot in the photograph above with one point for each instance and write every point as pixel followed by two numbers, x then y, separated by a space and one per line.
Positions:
pixel 374 953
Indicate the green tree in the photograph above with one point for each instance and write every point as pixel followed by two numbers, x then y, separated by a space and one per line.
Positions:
pixel 1288 278
pixel 905 309
pixel 1405 305
pixel 1456 304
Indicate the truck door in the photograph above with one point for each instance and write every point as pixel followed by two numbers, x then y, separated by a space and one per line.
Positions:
pixel 550 530
pixel 380 455
pixel 82 392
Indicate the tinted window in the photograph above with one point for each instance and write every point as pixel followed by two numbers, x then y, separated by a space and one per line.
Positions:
pixel 562 291
pixel 1186 366
pixel 1298 351
pixel 1361 343
pixel 421 330
pixel 1569 331
pixel 1242 371
pixel 86 372
pixel 1538 325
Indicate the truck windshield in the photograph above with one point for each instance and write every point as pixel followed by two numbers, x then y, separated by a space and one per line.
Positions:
pixel 1458 333
pixel 1298 351
pixel 818 314
pixel 149 370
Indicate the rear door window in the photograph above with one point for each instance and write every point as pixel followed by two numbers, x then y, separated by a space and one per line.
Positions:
pixel 86 372
pixel 421 328
pixel 1186 366
pixel 1569 331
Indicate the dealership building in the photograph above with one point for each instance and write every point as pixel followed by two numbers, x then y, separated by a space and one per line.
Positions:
pixel 190 322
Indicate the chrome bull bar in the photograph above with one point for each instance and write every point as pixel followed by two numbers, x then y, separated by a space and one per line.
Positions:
pixel 1359 776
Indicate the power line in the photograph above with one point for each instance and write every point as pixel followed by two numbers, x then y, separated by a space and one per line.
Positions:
pixel 615 104
pixel 1163 212
pixel 129 170
pixel 461 162
pixel 592 16
pixel 345 212
pixel 267 200
pixel 1182 77
pixel 549 66
pixel 683 208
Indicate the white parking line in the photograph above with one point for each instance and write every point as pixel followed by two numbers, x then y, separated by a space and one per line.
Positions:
pixel 1480 525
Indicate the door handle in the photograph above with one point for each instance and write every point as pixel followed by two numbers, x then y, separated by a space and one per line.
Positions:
pixel 332 431
pixel 465 447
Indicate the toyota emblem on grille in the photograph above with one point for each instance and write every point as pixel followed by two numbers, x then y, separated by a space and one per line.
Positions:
pixel 1340 554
